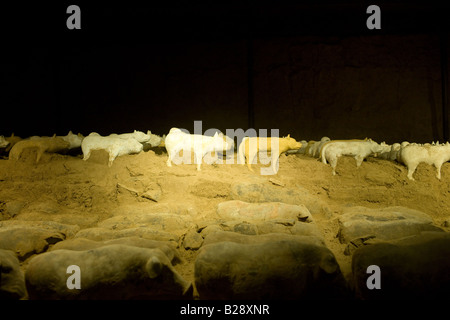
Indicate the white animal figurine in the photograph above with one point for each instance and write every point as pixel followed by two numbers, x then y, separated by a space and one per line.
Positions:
pixel 114 146
pixel 317 146
pixel 360 149
pixel 413 154
pixel 3 142
pixel 201 145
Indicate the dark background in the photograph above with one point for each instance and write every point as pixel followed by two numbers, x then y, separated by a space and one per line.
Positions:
pixel 310 69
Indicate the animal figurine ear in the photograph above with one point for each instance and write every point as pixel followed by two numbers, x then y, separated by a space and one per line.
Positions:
pixel 216 134
pixel 70 133
pixel 54 135
pixel 288 136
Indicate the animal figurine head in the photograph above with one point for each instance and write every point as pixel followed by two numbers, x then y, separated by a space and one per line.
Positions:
pixel 228 140
pixel 220 142
pixel 141 136
pixel 292 143
pixel 73 139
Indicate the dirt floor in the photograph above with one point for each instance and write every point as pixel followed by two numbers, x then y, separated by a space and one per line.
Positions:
pixel 66 189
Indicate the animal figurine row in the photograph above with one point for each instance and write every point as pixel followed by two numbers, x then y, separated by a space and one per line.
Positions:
pixel 114 144
pixel 405 153
pixel 326 150
pixel 45 144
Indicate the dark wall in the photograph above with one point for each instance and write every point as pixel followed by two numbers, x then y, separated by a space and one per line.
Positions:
pixel 239 67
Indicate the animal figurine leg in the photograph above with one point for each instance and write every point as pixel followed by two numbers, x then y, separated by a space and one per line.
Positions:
pixel 172 152
pixel 169 159
pixel 250 159
pixel 359 161
pixel 199 158
pixel 39 153
pixel 275 165
pixel 333 162
pixel 438 170
pixel 112 157
pixel 87 154
pixel 411 169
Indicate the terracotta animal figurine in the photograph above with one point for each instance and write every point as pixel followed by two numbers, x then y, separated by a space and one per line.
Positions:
pixel 250 146
pixel 50 145
pixel 113 145
pixel 331 151
pixel 201 145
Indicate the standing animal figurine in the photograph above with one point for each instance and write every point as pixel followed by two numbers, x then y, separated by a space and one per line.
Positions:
pixel 201 145
pixel 413 154
pixel 360 149
pixel 114 146
pixel 50 145
pixel 250 146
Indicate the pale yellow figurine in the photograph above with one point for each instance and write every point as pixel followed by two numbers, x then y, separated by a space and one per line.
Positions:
pixel 250 146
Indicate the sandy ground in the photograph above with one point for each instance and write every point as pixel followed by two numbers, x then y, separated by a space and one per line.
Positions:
pixel 66 189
